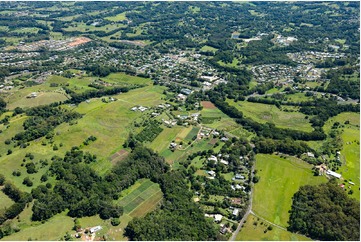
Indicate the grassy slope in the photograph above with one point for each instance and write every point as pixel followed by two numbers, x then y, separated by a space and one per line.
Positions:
pixel 280 179
pixel 269 113
pixel 5 201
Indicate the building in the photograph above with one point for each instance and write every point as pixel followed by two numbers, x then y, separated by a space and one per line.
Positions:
pixel 235 212
pixel 212 173
pixel 218 218
pixel 334 174
pixel 186 91
pixel 95 229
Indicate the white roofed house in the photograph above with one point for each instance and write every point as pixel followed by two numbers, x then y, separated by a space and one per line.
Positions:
pixel 95 229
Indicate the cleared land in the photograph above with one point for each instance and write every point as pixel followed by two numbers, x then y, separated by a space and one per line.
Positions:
pixel 43 98
pixel 253 230
pixel 279 180
pixel 269 113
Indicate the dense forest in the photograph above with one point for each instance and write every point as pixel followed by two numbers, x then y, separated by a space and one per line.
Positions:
pixel 325 212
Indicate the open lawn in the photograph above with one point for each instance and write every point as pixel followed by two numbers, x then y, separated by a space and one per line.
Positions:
pixel 254 230
pixel 263 113
pixel 279 180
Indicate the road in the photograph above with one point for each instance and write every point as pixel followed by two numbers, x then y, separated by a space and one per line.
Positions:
pixel 249 210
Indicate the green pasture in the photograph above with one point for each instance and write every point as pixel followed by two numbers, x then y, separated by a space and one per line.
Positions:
pixel 208 48
pixel 254 230
pixel 118 17
pixel 122 78
pixel 53 229
pixel 280 179
pixel 43 98
pixel 263 113
pixel 5 201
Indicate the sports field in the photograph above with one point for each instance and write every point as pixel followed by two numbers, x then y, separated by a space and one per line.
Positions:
pixel 263 113
pixel 254 230
pixel 279 180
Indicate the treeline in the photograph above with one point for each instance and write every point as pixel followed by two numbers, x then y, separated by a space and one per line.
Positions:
pixel 2 106
pixel 268 130
pixel 42 120
pixel 325 212
pixel 20 198
pixel 287 146
pixel 77 98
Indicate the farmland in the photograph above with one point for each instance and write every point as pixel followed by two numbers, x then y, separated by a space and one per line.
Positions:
pixel 279 179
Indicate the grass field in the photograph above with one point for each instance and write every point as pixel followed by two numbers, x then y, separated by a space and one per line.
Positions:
pixel 263 113
pixel 5 201
pixel 279 180
pixel 118 17
pixel 256 232
pixel 43 98
pixel 208 49
pixel 216 119
pixel 53 229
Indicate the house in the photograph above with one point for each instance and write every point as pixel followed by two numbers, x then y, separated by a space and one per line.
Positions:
pixel 212 173
pixel 310 154
pixel 134 109
pixel 213 158
pixel 332 173
pixel 224 139
pixel 223 229
pixel 181 97
pixel 235 212
pixel 186 91
pixel 173 145
pixel 142 109
pixel 95 229
pixel 155 114
pixel 32 95
pixel 224 162
pixel 239 177
pixel 218 218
